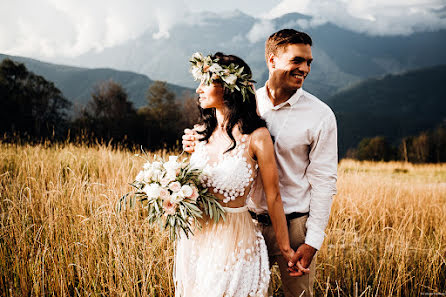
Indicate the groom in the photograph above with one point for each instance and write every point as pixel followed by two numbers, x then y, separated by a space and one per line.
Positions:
pixel 305 141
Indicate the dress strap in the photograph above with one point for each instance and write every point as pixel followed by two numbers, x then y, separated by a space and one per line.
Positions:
pixel 236 209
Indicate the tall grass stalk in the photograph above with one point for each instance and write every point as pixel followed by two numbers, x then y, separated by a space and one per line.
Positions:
pixel 60 234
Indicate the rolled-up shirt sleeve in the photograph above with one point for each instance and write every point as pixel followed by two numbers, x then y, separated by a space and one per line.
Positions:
pixel 322 176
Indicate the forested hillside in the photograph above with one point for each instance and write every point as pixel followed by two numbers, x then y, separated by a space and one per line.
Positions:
pixel 393 106
pixel 78 83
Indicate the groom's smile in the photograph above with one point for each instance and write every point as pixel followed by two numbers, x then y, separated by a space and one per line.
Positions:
pixel 292 64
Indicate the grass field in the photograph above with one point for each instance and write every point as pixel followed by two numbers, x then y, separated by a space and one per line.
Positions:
pixel 60 234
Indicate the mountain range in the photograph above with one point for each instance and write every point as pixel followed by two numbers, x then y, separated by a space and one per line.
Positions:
pixel 341 57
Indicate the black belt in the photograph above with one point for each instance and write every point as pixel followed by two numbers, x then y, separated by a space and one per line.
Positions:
pixel 265 219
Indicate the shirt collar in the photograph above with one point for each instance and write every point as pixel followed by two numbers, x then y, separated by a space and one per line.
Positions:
pixel 291 101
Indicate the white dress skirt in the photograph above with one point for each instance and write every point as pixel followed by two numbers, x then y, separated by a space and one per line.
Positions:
pixel 228 258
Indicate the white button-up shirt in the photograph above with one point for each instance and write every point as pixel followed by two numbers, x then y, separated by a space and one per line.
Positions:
pixel 305 143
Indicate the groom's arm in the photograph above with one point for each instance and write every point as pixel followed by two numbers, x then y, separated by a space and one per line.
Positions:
pixel 322 176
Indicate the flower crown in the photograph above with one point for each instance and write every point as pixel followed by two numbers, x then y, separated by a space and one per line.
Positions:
pixel 208 70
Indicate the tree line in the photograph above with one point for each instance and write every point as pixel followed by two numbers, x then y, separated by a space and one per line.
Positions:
pixel 34 109
pixel 426 147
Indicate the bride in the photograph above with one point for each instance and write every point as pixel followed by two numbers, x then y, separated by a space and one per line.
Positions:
pixel 229 258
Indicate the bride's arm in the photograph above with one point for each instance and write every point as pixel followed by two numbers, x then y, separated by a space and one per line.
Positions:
pixel 263 150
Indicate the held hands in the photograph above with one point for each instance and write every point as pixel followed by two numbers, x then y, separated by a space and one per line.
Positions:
pixel 288 254
pixel 189 138
pixel 301 260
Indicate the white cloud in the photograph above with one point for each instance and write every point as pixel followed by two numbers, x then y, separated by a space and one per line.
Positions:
pixel 379 17
pixel 48 28
pixel 69 28
pixel 304 24
pixel 261 30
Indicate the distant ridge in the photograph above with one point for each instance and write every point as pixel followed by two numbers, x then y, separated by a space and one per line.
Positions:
pixel 393 106
pixel 341 56
pixel 77 83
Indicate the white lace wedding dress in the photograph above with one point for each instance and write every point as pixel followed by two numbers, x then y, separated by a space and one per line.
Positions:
pixel 228 258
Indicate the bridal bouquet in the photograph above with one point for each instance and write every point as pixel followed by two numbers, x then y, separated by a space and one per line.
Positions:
pixel 173 195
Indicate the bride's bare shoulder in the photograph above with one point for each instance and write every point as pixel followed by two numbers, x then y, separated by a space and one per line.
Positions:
pixel 260 134
pixel 261 137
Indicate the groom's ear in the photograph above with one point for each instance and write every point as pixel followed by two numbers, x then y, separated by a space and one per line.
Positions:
pixel 271 61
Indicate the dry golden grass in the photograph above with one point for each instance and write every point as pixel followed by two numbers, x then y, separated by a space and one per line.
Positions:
pixel 60 234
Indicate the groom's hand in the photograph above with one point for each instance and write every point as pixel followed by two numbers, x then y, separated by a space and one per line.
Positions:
pixel 189 138
pixel 302 259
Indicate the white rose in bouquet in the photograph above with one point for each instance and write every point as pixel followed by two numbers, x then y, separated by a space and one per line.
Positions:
pixel 147 175
pixel 171 175
pixel 157 165
pixel 152 190
pixel 166 180
pixel 169 207
pixel 176 197
pixel 195 194
pixel 157 175
pixel 172 165
pixel 186 191
pixel 140 176
pixel 164 194
pixel 175 187
pixel 173 159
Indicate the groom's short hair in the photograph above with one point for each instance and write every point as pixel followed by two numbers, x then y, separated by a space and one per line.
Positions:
pixel 283 38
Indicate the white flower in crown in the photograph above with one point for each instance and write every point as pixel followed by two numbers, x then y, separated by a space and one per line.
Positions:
pixel 196 72
pixel 208 70
pixel 230 79
pixel 215 68
pixel 198 56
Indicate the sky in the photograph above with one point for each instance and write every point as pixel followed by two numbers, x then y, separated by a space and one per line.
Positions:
pixel 68 28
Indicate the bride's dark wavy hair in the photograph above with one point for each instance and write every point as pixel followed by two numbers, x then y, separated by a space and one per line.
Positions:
pixel 243 113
